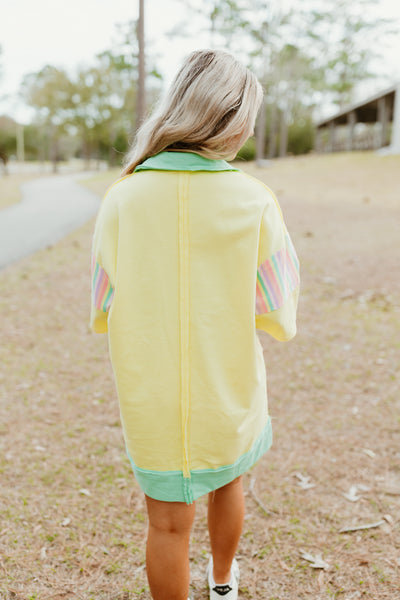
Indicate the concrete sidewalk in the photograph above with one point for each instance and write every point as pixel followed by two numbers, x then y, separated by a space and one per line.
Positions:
pixel 51 207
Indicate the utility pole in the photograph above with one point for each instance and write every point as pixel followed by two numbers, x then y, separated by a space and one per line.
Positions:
pixel 141 89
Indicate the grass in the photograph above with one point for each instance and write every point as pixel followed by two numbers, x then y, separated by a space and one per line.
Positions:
pixel 73 520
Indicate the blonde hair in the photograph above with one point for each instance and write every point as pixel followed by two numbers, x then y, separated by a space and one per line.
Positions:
pixel 210 108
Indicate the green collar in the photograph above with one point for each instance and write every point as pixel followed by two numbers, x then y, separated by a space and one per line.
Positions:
pixel 183 161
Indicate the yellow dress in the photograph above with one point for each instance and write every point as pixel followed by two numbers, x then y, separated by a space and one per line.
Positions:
pixel 190 257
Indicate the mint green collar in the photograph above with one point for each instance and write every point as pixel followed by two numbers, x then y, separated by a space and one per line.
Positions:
pixel 183 161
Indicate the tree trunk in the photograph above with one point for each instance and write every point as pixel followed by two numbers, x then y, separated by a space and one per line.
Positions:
pixel 283 141
pixel 53 148
pixel 273 131
pixel 260 134
pixel 4 159
pixel 141 95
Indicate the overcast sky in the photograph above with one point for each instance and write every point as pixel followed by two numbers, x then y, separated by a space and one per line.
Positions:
pixel 65 33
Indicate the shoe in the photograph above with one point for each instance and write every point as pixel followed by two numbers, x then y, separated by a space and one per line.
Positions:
pixel 223 591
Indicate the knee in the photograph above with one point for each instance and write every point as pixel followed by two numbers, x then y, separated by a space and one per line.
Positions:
pixel 170 517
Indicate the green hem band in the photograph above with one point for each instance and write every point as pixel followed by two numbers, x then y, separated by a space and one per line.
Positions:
pixel 171 486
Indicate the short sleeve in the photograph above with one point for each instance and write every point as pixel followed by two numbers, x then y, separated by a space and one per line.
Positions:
pixel 103 265
pixel 278 276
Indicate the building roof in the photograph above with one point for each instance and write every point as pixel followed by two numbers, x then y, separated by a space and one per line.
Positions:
pixel 366 111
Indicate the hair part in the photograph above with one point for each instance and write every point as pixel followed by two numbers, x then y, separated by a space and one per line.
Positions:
pixel 210 108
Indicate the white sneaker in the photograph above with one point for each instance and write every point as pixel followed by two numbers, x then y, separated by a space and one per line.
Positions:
pixel 225 591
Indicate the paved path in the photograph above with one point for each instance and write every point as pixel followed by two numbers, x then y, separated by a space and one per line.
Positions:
pixel 51 207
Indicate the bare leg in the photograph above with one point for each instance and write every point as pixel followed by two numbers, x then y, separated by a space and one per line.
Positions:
pixel 225 523
pixel 167 552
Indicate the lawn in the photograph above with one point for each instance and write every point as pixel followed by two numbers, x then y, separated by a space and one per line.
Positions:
pixel 73 519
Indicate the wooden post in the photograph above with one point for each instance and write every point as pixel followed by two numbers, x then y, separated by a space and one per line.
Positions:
pixel 332 136
pixel 351 121
pixel 383 121
pixel 318 140
pixel 141 92
pixel 395 141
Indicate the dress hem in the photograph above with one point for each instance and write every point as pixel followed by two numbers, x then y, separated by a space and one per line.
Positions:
pixel 172 486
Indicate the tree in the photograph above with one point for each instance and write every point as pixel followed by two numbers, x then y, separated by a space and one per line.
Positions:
pixel 50 93
pixel 302 56
pixel 345 39
pixel 95 106
pixel 7 140
pixel 100 104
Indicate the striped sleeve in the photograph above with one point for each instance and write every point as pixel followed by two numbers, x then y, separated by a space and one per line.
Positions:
pixel 104 263
pixel 278 277
pixel 102 290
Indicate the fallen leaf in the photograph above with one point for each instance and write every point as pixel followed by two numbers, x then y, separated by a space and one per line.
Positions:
pixel 363 488
pixel 369 452
pixel 352 494
pixel 354 489
pixel 388 519
pixel 363 560
pixel 316 562
pixel 304 481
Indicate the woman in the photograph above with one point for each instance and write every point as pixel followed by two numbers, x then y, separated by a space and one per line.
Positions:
pixel 190 256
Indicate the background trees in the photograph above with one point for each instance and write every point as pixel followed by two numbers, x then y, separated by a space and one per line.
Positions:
pixel 92 112
pixel 305 54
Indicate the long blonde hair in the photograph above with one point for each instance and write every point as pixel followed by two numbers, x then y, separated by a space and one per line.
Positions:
pixel 210 108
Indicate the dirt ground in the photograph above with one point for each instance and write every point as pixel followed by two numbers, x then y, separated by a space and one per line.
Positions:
pixel 72 518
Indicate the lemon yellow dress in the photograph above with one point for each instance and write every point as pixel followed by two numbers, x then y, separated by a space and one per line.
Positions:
pixel 190 257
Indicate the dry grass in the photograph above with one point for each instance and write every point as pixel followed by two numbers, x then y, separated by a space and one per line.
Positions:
pixel 333 393
pixel 99 183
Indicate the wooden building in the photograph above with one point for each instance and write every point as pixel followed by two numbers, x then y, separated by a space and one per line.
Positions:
pixel 372 124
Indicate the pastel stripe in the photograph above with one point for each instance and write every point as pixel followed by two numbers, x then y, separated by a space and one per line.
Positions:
pixel 102 290
pixel 277 278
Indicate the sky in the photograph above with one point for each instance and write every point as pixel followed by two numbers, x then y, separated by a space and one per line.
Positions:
pixel 66 33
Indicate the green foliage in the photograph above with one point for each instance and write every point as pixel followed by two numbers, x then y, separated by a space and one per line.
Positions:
pixel 301 136
pixel 89 114
pixel 248 150
pixel 307 53
pixel 8 142
pixel 346 37
pixel 312 52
